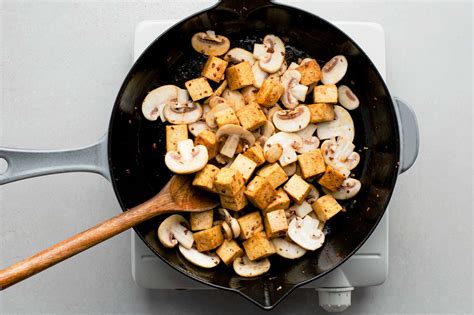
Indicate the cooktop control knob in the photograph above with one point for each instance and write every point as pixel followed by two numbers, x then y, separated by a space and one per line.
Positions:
pixel 335 299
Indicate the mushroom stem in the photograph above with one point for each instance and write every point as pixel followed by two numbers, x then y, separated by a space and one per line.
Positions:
pixel 230 145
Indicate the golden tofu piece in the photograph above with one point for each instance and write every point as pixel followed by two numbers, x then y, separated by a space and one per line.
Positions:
pixel 226 117
pixel 229 251
pixel 235 203
pixel 269 93
pixel 251 116
pixel 326 207
pixel 332 179
pixel 208 139
pixel 255 153
pixel 214 69
pixel 208 239
pixel 274 173
pixel 244 165
pixel 258 247
pixel 276 223
pixel 205 178
pixel 250 224
pixel 260 192
pixel 321 112
pixel 326 93
pixel 229 182
pixel 282 201
pixel 311 164
pixel 297 188
pixel 239 76
pixel 201 220
pixel 174 134
pixel 310 72
pixel 198 88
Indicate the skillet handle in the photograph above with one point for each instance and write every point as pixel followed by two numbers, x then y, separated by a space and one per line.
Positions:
pixel 24 164
pixel 410 135
pixel 241 6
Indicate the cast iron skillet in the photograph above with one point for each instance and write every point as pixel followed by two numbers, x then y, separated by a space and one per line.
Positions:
pixel 136 147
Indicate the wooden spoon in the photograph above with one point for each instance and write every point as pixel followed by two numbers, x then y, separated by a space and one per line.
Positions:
pixel 177 196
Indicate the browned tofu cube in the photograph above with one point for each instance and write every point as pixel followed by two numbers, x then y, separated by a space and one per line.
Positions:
pixel 229 182
pixel 260 192
pixel 276 223
pixel 297 188
pixel 326 93
pixel 214 69
pixel 208 139
pixel 174 134
pixel 201 220
pixel 311 164
pixel 332 179
pixel 269 93
pixel 235 203
pixel 244 165
pixel 239 76
pixel 226 117
pixel 205 178
pixel 321 112
pixel 251 116
pixel 282 201
pixel 255 153
pixel 208 239
pixel 326 207
pixel 198 88
pixel 250 224
pixel 229 251
pixel 258 247
pixel 310 71
pixel 274 174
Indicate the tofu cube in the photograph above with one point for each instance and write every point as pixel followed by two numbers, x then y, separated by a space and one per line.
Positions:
pixel 332 179
pixel 311 164
pixel 326 93
pixel 209 239
pixel 214 69
pixel 201 220
pixel 276 223
pixel 282 201
pixel 239 76
pixel 205 178
pixel 229 251
pixel 260 192
pixel 258 247
pixel 235 203
pixel 226 117
pixel 321 112
pixel 208 139
pixel 274 173
pixel 250 224
pixel 174 134
pixel 310 72
pixel 244 165
pixel 269 93
pixel 251 116
pixel 297 188
pixel 198 88
pixel 229 182
pixel 255 153
pixel 326 207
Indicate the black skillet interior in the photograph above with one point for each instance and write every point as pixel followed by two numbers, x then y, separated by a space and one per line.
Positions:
pixel 137 146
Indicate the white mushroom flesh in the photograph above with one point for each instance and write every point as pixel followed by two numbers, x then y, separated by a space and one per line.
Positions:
pixel 208 43
pixel 227 231
pixel 259 75
pixel 204 260
pixel 293 90
pixel 234 98
pixel 339 154
pixel 187 159
pixel 334 70
pixel 349 188
pixel 287 249
pixel 305 232
pixel 341 126
pixel 270 112
pixel 157 99
pixel 273 153
pixel 244 267
pixel 198 127
pixel 290 142
pixel 235 134
pixel 238 55
pixel 270 54
pixel 249 93
pixel 347 98
pixel 292 120
pixel 303 209
pixel 313 195
pixel 183 113
pixel 290 169
pixel 310 142
pixel 235 226
pixel 173 230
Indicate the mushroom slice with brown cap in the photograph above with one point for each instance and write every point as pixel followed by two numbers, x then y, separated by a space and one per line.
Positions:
pixel 334 70
pixel 157 99
pixel 173 230
pixel 204 260
pixel 233 135
pixel 305 232
pixel 341 126
pixel 347 98
pixel 270 54
pixel 234 98
pixel 293 90
pixel 292 120
pixel 187 159
pixel 290 142
pixel 208 43
pixel 184 113
pixel 349 188
pixel 340 155
pixel 310 142
pixel 259 75
pixel 288 249
pixel 244 267
pixel 238 55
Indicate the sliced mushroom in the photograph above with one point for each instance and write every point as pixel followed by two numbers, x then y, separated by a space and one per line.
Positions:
pixel 263 133
pixel 290 142
pixel 249 93
pixel 273 153
pixel 157 99
pixel 303 209
pixel 231 222
pixel 173 230
pixel 294 91
pixel 270 54
pixel 221 159
pixel 340 155
pixel 233 135
pixel 287 249
pixel 349 188
pixel 234 98
pixel 291 120
pixel 277 75
pixel 259 75
pixel 216 100
pixel 270 112
pixel 305 232
pixel 293 66
pixel 347 98
pixel 238 55
pixel 208 43
pixel 290 169
pixel 211 115
pixel 341 126
pixel 227 231
pixel 198 127
pixel 204 260
pixel 244 267
pixel 183 113
pixel 334 70
pixel 310 142
pixel 187 159
pixel 313 195
pixel 235 226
